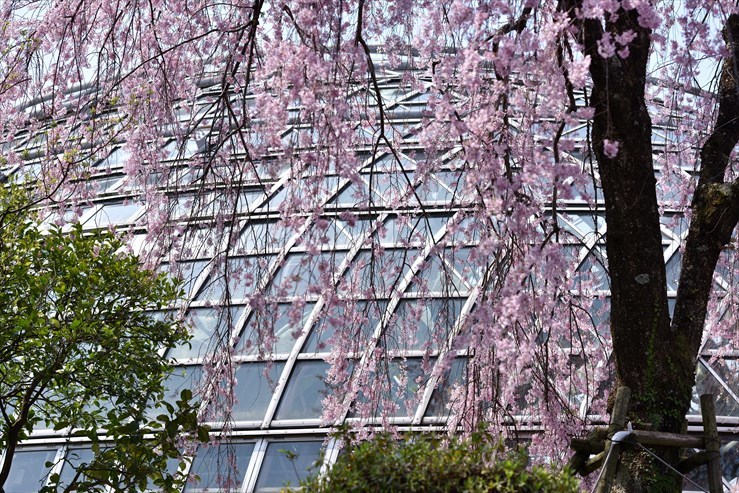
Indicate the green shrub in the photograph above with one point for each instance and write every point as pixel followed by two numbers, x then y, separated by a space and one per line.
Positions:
pixel 429 464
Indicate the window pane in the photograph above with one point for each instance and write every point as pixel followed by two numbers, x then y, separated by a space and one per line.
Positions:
pixel 28 472
pixel 356 322
pixel 75 458
pixel 286 463
pixel 221 467
pixel 243 274
pixel 422 324
pixel 274 328
pixel 182 377
pixel 305 390
pixel 395 389
pixel 204 323
pixel 441 400
pixel 186 272
pixel 113 214
pixel 300 273
pixel 256 383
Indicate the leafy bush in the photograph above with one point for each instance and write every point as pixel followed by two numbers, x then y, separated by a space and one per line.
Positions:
pixel 429 464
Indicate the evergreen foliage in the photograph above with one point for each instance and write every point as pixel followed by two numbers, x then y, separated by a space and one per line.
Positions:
pixel 430 464
pixel 80 350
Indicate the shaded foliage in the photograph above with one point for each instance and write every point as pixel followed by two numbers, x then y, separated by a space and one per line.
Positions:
pixel 429 464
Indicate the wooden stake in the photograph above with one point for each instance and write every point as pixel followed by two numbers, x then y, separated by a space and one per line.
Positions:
pixel 618 423
pixel 713 444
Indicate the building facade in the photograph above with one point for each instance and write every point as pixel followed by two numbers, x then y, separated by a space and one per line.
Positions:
pixel 342 292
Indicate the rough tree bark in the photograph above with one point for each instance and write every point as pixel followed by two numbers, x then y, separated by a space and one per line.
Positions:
pixel 655 356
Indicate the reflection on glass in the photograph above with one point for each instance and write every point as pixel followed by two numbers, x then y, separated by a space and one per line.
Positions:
pixel 306 388
pixel 204 323
pixel 302 274
pixel 241 275
pixel 440 403
pixel 436 276
pixel 75 458
pixel 185 272
pixel 219 468
pixel 29 470
pixel 274 328
pixel 113 214
pixel 395 389
pixel 255 385
pixel 181 378
pixel 422 324
pixel 286 463
pixel 377 274
pixel 706 383
pixel 355 320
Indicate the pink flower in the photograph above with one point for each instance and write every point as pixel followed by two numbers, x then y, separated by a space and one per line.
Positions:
pixel 610 148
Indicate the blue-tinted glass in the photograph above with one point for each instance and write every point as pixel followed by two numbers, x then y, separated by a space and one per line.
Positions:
pixel 286 463
pixel 274 328
pixel 204 323
pixel 219 467
pixel 29 471
pixel 305 390
pixel 255 385
pixel 75 458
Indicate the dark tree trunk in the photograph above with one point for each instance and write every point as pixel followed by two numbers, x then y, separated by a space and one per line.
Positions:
pixel 654 357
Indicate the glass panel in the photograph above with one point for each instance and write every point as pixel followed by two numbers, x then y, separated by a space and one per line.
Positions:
pixel 730 461
pixel 355 194
pixel 422 324
pixel 327 233
pixel 706 383
pixel 182 377
pixel 255 385
pixel 407 230
pixel 441 400
pixel 286 463
pixel 261 237
pixel 219 467
pixel 244 275
pixel 303 274
pixel 728 370
pixel 432 191
pixel 204 323
pixel 186 272
pixel 179 150
pixel 377 274
pixel 172 467
pixel 436 276
pixel 113 214
pixel 75 458
pixel 390 187
pixel 306 388
pixel 28 472
pixel 673 271
pixel 356 320
pixel 593 272
pixel 394 389
pixel 199 242
pixel 274 328
pixel 115 159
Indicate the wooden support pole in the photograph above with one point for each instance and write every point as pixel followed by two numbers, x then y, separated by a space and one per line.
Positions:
pixel 694 461
pixel 611 451
pixel 713 444
pixel 664 439
pixel 594 463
